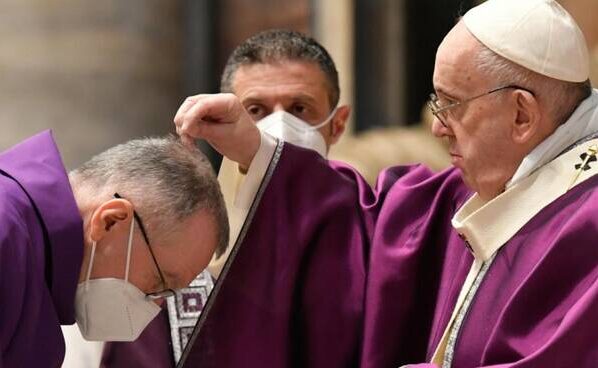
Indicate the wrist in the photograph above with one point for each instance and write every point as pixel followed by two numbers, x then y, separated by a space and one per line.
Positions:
pixel 254 142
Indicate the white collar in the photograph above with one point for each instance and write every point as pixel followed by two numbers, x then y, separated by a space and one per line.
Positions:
pixel 583 122
pixel 487 226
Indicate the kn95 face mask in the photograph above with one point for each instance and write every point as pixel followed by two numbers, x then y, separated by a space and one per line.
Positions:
pixel 283 125
pixel 110 309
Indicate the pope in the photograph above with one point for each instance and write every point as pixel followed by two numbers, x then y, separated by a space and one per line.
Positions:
pixel 492 262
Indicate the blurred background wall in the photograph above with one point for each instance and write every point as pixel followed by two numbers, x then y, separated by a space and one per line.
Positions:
pixel 99 73
pixel 96 72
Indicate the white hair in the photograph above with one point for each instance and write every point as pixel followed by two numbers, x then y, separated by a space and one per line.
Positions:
pixel 166 181
pixel 560 98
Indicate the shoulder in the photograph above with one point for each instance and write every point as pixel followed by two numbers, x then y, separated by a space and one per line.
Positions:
pixel 580 206
pixel 570 222
pixel 15 256
pixel 14 208
pixel 418 182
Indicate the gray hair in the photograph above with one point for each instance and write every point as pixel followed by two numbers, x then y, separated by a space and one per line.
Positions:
pixel 560 97
pixel 166 181
pixel 279 45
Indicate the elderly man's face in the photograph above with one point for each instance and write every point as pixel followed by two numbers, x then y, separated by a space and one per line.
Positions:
pixel 297 87
pixel 181 253
pixel 478 132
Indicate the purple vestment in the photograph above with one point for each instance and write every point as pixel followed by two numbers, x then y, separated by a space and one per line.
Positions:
pixel 294 295
pixel 536 307
pixel 153 348
pixel 41 248
pixel 330 273
pixel 292 292
pixel 170 330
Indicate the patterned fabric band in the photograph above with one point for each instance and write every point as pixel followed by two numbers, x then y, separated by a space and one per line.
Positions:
pixel 184 310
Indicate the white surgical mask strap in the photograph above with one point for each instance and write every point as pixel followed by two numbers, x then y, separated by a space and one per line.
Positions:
pixel 129 249
pixel 90 265
pixel 326 121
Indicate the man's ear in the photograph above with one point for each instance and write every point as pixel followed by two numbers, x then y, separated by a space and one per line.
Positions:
pixel 528 117
pixel 339 123
pixel 107 215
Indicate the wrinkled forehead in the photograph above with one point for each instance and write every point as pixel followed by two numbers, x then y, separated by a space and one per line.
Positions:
pixel 455 67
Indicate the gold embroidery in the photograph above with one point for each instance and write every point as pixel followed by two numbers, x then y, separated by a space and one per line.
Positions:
pixel 587 157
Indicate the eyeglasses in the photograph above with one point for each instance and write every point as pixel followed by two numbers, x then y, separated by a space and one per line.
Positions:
pixel 164 293
pixel 437 109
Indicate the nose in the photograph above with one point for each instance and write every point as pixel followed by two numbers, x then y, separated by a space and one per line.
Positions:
pixel 439 129
pixel 278 107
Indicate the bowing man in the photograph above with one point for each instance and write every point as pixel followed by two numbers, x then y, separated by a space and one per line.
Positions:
pixel 100 246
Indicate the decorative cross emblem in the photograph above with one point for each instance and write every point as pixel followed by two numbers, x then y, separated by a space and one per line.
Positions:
pixel 586 159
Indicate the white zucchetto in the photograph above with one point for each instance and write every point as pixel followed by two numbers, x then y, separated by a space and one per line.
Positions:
pixel 537 34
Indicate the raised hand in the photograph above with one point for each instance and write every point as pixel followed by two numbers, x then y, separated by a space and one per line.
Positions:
pixel 221 120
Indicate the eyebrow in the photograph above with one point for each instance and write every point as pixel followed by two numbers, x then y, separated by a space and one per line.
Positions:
pixel 305 97
pixel 258 98
pixel 445 93
pixel 252 100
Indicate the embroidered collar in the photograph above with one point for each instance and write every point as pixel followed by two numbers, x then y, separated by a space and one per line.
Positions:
pixel 487 226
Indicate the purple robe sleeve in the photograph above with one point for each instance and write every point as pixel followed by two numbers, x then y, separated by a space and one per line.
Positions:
pixel 14 264
pixel 41 237
pixel 405 268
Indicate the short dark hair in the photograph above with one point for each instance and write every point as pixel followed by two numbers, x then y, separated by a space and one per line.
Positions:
pixel 280 44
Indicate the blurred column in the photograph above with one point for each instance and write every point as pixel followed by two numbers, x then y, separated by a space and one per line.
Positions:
pixel 201 74
pixel 241 19
pixel 199 62
pixel 380 63
pixel 96 72
pixel 333 26
pixel 426 23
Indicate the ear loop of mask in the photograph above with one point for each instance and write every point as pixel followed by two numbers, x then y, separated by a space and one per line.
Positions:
pixel 93 252
pixel 89 267
pixel 326 121
pixel 129 249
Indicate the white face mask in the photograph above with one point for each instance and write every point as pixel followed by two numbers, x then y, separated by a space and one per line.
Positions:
pixel 289 128
pixel 111 309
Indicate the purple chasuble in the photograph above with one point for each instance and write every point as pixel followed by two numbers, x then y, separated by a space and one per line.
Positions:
pixel 41 249
pixel 169 331
pixel 536 307
pixel 293 292
pixel 153 348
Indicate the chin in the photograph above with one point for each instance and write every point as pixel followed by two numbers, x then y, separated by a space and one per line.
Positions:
pixel 471 184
